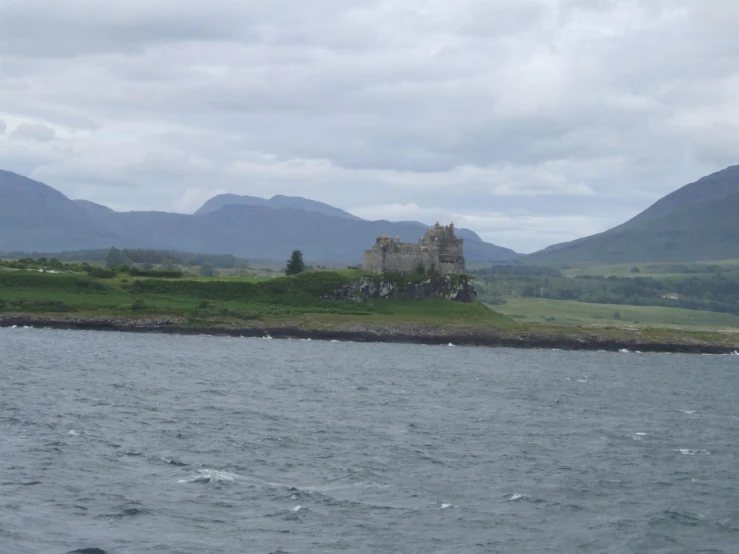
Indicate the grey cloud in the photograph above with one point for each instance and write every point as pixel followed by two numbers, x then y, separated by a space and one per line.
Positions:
pixel 3 126
pixel 572 107
pixel 88 27
pixel 37 132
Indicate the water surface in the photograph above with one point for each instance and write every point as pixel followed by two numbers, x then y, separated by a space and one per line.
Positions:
pixel 167 444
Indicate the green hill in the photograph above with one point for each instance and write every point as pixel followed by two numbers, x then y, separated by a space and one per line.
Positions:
pixel 698 222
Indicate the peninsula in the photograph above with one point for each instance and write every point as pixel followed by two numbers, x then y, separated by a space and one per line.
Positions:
pixel 351 304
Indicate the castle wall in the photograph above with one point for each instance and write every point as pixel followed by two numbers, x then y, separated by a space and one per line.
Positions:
pixel 374 260
pixel 407 261
pixel 438 250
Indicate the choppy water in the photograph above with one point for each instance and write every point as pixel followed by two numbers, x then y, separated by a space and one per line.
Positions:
pixel 142 443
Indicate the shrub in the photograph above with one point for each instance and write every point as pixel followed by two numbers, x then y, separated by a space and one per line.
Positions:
pixel 100 273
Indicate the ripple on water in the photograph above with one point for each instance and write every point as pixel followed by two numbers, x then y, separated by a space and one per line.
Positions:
pixel 293 446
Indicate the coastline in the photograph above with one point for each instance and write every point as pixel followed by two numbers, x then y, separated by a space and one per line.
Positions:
pixel 563 339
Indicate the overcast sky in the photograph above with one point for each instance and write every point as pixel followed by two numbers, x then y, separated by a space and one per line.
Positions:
pixel 529 121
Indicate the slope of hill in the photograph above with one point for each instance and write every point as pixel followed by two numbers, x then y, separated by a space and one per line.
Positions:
pixel 279 202
pixel 698 222
pixel 35 217
pixel 93 209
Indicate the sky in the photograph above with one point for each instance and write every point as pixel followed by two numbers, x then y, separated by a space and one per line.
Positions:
pixel 531 122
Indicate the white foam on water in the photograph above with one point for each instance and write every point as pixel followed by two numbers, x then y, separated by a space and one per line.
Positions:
pixel 692 452
pixel 625 351
pixel 296 509
pixel 267 337
pixel 445 506
pixel 515 496
pixel 210 476
pixel 450 344
pixel 14 327
pixel 73 433
pixel 582 380
pixel 334 341
pixel 689 412
pixel 638 436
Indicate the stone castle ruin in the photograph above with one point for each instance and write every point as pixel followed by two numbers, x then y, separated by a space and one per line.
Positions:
pixel 439 250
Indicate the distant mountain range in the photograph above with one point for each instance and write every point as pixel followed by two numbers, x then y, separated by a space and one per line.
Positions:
pixel 37 218
pixel 697 222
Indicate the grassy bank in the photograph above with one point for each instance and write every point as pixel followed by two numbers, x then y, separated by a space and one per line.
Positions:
pixel 300 302
pixel 298 299
pixel 573 313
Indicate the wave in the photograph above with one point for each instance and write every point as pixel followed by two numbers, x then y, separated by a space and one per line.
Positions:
pixel 692 452
pixel 211 476
pixel 173 462
pixel 124 513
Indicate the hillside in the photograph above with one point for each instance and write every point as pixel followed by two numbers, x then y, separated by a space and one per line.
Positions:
pixel 35 217
pixel 278 202
pixel 697 222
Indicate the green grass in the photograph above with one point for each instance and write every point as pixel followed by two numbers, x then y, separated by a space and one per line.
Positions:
pixel 298 299
pixel 566 312
pixel 652 269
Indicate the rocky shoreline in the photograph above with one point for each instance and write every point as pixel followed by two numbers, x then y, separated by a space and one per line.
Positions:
pixel 575 339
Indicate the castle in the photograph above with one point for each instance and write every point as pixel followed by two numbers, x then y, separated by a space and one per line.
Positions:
pixel 439 250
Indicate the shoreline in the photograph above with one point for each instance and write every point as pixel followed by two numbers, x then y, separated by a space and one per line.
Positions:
pixel 576 339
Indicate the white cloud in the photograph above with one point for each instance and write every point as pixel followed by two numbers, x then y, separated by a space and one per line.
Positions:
pixel 564 108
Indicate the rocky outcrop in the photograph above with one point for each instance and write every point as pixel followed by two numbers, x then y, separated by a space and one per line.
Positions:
pixel 451 287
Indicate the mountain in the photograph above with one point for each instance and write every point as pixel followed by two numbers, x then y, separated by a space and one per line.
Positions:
pixel 35 217
pixel 279 202
pixel 697 222
pixel 92 208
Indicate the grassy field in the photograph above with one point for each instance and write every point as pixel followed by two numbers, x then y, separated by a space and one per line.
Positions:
pixel 565 312
pixel 298 299
pixel 655 269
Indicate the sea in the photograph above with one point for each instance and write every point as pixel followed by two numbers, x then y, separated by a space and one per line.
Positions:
pixel 123 443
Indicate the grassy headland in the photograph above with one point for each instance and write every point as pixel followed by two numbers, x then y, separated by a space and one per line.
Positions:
pixel 301 305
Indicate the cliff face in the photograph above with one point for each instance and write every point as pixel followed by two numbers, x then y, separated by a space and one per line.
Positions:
pixel 452 287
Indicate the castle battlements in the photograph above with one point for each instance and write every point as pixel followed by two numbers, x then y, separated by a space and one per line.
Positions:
pixel 438 250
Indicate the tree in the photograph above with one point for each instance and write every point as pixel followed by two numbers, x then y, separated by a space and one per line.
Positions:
pixel 115 257
pixel 206 270
pixel 295 264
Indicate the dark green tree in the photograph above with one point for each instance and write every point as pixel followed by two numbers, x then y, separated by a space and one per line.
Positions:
pixel 115 257
pixel 295 264
pixel 206 270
